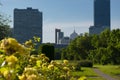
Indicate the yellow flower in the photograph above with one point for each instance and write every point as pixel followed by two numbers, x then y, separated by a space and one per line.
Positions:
pixel 12 41
pixel 63 76
pixel 32 77
pixel 65 61
pixel 1 56
pixel 29 71
pixel 38 63
pixel 29 43
pixel 42 55
pixel 46 59
pixel 6 73
pixel 11 59
pixel 66 68
pixel 22 50
pixel 4 44
pixel 82 78
pixel 53 62
pixel 50 66
pixel 22 77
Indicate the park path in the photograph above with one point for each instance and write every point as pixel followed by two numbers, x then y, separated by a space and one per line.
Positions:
pixel 107 77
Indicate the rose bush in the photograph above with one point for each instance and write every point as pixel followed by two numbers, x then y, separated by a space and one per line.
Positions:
pixel 16 63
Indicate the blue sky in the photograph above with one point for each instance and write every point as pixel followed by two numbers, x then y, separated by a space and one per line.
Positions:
pixel 63 14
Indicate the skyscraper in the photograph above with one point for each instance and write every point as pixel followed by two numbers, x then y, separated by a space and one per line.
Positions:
pixel 58 35
pixel 101 16
pixel 27 23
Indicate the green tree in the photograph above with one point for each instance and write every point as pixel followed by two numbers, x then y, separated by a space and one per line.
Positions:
pixel 79 48
pixel 5 30
pixel 105 38
pixel 106 47
pixel 48 50
pixel 58 52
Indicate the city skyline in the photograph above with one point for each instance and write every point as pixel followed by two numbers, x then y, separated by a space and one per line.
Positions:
pixel 62 14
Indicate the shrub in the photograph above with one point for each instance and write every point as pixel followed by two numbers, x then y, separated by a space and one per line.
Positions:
pixel 86 63
pixel 16 63
pixel 77 66
pixel 48 50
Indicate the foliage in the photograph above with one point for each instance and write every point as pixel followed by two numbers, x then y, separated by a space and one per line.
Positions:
pixel 78 67
pixel 16 63
pixel 102 49
pixel 79 48
pixel 58 54
pixel 86 63
pixel 5 30
pixel 48 50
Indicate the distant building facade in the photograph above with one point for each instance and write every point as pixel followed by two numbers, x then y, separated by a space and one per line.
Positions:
pixel 60 39
pixel 73 35
pixel 27 23
pixel 58 35
pixel 64 40
pixel 101 16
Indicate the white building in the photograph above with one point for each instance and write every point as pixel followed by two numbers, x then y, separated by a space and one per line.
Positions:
pixel 73 35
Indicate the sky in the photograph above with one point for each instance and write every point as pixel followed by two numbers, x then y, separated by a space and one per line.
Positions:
pixel 66 15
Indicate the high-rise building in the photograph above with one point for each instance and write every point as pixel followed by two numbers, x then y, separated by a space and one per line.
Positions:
pixel 27 23
pixel 58 35
pixel 101 16
pixel 73 35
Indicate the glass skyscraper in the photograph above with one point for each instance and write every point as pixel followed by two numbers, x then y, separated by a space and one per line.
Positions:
pixel 27 23
pixel 102 13
pixel 101 16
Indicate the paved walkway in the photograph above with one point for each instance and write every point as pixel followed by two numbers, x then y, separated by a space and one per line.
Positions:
pixel 107 77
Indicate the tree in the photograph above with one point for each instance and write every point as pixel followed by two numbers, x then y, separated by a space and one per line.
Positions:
pixel 58 52
pixel 48 50
pixel 79 47
pixel 5 30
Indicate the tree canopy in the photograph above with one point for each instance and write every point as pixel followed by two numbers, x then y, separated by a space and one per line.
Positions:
pixel 102 49
pixel 5 30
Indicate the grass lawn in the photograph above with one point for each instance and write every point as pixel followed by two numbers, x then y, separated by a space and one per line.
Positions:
pixel 112 70
pixel 85 72
pixel 88 72
pixel 97 78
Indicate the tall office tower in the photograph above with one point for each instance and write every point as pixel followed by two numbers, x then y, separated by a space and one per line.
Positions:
pixel 101 16
pixel 58 35
pixel 27 23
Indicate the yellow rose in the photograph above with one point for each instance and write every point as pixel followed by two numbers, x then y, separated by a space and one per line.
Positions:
pixel 6 73
pixel 4 44
pixel 32 77
pixel 22 77
pixel 82 78
pixel 12 41
pixel 50 66
pixel 66 68
pixel 65 61
pixel 11 59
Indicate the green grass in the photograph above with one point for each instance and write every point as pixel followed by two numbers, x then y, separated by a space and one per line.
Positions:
pixel 97 78
pixel 88 72
pixel 112 70
pixel 85 72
